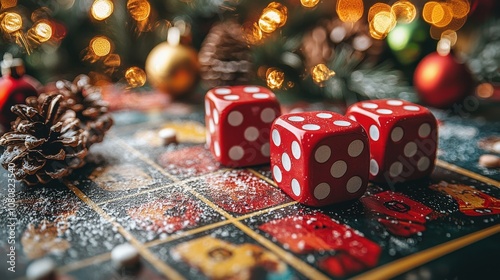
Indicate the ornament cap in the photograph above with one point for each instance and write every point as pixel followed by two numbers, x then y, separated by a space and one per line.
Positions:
pixel 13 67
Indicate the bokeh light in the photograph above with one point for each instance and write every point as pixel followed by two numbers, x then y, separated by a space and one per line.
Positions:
pixel 441 15
pixel 43 31
pixel 100 46
pixel 12 22
pixel 5 4
pixel 275 78
pixel 382 23
pixel 485 90
pixel 321 73
pixel 450 35
pixel 399 37
pixel 101 9
pixel 404 11
pixel 459 8
pixel 309 3
pixel 252 33
pixel 273 17
pixel 135 76
pixel 428 10
pixel 139 9
pixel 349 10
pixel 377 8
pixel 443 47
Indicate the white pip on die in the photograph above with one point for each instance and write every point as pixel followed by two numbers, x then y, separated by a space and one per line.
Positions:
pixel 319 158
pixel 238 121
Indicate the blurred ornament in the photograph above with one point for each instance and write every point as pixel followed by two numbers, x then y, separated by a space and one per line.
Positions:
pixel 225 57
pixel 318 45
pixel 14 89
pixel 135 76
pixel 172 69
pixel 321 73
pixel 349 10
pixel 273 17
pixel 404 11
pixel 442 81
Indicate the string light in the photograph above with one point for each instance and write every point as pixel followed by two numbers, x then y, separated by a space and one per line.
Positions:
pixel 309 3
pixel 139 9
pixel 404 11
pixel 273 17
pixel 43 31
pixel 321 73
pixel 349 10
pixel 100 46
pixel 135 76
pixel 113 60
pixel 275 78
pixel 101 9
pixel 12 22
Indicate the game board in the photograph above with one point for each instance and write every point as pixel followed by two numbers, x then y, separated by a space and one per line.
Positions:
pixel 192 218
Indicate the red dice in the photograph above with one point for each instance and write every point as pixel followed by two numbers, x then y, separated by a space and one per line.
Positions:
pixel 319 158
pixel 238 121
pixel 403 138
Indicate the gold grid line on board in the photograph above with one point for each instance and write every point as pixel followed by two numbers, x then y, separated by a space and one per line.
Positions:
pixel 276 249
pixel 399 266
pixel 169 185
pixel 161 266
pixel 106 256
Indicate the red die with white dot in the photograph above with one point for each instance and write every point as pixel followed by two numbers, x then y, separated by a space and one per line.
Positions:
pixel 319 158
pixel 403 138
pixel 238 121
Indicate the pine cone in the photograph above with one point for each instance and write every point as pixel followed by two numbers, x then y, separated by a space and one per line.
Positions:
pixel 86 101
pixel 46 142
pixel 225 57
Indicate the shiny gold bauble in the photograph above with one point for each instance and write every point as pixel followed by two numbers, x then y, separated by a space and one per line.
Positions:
pixel 172 69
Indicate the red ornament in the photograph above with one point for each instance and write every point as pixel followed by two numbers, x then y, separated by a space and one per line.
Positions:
pixel 14 88
pixel 442 81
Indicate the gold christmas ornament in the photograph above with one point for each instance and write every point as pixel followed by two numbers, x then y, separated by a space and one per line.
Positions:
pixel 172 69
